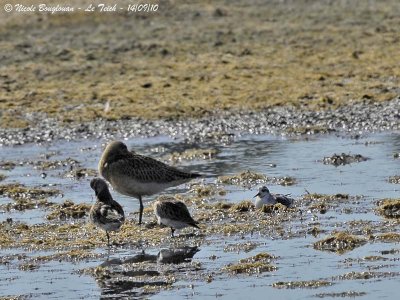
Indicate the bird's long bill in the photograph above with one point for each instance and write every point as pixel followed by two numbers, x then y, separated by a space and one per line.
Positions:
pixel 258 194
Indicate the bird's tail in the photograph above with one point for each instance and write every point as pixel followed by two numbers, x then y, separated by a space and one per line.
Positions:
pixel 194 175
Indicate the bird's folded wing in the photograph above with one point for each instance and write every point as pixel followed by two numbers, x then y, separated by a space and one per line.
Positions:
pixel 109 214
pixel 284 200
pixel 147 169
pixel 177 211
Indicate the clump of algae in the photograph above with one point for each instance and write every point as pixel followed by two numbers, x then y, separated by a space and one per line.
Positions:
pixel 7 165
pixel 340 242
pixel 346 294
pixel 343 159
pixel 301 284
pixel 250 268
pixel 256 264
pixel 69 210
pixel 273 208
pixel 322 207
pixel 237 247
pixel 285 181
pixel 326 197
pixel 20 297
pixel 366 275
pixel 207 190
pixel 394 179
pixel 17 191
pixel 191 154
pixel 389 208
pixel 243 206
pixel 244 178
pixel 26 203
pixel 222 205
pixel 263 256
pixel 388 237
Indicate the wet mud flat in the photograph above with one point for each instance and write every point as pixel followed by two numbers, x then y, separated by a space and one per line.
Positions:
pixel 353 119
pixel 341 233
pixel 189 60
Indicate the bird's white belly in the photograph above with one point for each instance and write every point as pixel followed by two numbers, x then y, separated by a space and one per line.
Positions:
pixel 131 187
pixel 266 200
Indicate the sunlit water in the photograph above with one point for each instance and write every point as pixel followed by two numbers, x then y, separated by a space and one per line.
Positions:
pixel 297 158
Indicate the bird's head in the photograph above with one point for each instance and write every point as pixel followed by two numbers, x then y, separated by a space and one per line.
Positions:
pixel 262 191
pixel 114 150
pixel 98 185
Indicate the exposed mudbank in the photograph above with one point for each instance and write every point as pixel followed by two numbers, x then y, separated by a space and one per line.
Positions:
pixel 222 127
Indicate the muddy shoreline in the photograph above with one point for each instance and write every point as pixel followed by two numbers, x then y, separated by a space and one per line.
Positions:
pixel 353 119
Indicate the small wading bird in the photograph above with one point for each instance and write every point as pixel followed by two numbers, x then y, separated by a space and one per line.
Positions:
pixel 265 197
pixel 136 175
pixel 105 213
pixel 174 214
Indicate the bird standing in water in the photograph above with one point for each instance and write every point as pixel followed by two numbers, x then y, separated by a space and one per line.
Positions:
pixel 135 175
pixel 174 214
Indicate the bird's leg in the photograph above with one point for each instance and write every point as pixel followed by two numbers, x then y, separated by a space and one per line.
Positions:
pixel 141 210
pixel 108 239
pixel 172 232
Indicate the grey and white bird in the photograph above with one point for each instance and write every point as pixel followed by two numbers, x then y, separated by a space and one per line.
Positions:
pixel 136 175
pixel 174 214
pixel 106 213
pixel 265 197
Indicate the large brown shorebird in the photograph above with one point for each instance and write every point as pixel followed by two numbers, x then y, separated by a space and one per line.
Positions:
pixel 106 213
pixel 174 214
pixel 136 175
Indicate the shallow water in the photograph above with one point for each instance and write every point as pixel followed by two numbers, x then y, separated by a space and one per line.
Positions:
pixel 298 261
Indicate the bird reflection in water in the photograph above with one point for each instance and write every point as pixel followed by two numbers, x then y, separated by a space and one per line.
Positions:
pixel 127 277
